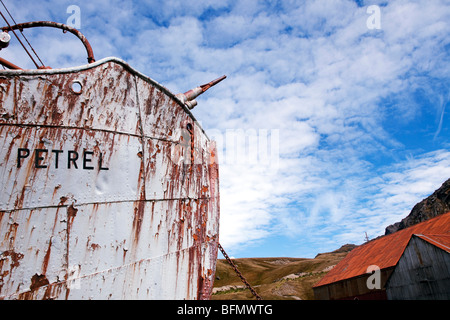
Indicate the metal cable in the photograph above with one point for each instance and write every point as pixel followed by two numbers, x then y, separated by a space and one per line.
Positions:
pixel 22 35
pixel 37 66
pixel 239 273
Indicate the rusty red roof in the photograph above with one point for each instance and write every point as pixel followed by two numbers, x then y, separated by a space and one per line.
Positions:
pixel 441 241
pixel 385 252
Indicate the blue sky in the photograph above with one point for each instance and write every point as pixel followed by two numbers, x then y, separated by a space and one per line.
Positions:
pixel 328 129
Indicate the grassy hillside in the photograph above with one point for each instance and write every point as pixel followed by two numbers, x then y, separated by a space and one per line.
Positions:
pixel 274 278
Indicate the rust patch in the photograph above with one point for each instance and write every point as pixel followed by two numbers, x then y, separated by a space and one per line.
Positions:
pixel 8 116
pixel 11 234
pixel 63 199
pixel 71 213
pixel 15 258
pixel 37 281
pixel 95 246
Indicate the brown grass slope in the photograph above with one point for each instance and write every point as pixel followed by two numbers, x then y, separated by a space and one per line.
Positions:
pixel 274 278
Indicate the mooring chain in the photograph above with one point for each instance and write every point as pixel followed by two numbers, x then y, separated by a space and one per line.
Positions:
pixel 239 273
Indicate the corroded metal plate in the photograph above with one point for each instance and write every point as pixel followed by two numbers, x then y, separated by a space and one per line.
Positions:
pixel 108 188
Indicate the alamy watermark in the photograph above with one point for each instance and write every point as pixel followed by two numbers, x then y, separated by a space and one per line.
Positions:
pixel 374 280
pixel 74 20
pixel 374 20
pixel 250 147
pixel 256 148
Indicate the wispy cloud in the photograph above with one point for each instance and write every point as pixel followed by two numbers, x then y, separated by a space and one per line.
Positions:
pixel 442 105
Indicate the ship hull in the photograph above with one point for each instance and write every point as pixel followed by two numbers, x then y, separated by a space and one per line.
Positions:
pixel 109 188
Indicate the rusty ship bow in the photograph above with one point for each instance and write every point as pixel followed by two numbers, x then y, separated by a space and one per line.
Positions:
pixel 109 187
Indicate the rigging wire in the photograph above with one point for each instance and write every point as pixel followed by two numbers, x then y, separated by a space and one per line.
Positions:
pixel 29 54
pixel 239 274
pixel 23 35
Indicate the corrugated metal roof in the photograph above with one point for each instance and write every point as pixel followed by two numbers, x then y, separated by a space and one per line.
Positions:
pixel 441 241
pixel 383 252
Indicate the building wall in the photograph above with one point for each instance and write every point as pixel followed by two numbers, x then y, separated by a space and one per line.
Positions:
pixel 422 273
pixel 354 288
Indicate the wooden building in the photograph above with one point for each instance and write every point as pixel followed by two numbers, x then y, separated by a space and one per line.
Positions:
pixel 352 277
pixel 423 271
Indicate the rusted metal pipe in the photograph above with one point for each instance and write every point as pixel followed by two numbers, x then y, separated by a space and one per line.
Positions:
pixel 188 97
pixel 9 65
pixel 212 83
pixel 62 26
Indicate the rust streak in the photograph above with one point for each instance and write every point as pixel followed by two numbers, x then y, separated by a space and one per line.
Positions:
pixel 47 257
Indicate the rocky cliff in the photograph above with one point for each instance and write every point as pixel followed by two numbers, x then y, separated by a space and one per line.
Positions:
pixel 436 204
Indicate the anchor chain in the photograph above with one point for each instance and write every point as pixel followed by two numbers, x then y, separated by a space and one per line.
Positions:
pixel 239 273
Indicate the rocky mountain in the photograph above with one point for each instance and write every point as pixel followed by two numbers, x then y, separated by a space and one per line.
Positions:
pixel 436 204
